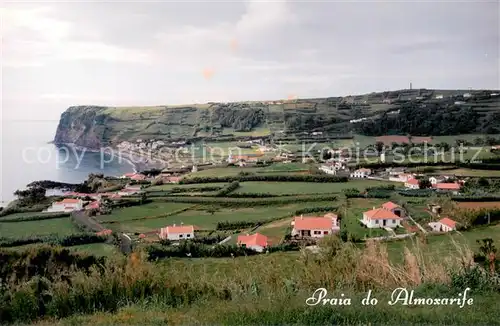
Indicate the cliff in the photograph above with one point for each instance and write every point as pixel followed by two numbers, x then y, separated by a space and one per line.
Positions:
pixel 370 114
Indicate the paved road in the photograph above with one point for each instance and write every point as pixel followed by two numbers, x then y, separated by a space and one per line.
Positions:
pixel 225 240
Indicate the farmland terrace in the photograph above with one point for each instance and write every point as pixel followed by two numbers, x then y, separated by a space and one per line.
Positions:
pixel 417 112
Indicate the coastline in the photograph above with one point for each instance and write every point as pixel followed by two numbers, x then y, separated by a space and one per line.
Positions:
pixel 138 161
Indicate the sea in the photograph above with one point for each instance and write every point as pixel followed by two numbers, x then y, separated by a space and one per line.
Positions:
pixel 26 155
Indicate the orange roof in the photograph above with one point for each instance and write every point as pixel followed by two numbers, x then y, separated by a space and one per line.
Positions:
pixel 381 214
pixel 138 177
pixel 448 222
pixel 252 240
pixel 412 181
pixel 94 204
pixel 313 223
pixel 390 205
pixel 129 174
pixel 447 186
pixel 70 201
pixel 180 229
pixel 105 232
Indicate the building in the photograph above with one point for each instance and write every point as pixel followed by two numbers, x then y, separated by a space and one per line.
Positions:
pixel 467 95
pixel 66 205
pixel 328 168
pixel 412 184
pixel 93 205
pixel 404 177
pixel 394 208
pixel 439 96
pixel 174 232
pixel 361 173
pixel 104 232
pixel 134 176
pixel 172 179
pixel 315 227
pixel 396 171
pixel 436 180
pixel 257 241
pixel 443 225
pixel 449 187
pixel 381 218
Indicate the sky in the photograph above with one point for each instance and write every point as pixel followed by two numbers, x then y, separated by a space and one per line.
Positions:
pixel 58 54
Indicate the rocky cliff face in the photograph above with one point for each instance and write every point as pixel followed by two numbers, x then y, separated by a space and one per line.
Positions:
pixel 82 126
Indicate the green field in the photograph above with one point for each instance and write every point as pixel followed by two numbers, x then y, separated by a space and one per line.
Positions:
pixel 60 226
pixel 474 173
pixel 286 188
pixel 167 187
pixel 97 249
pixel 204 219
pixel 147 210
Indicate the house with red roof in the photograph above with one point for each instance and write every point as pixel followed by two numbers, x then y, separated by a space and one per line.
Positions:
pixel 93 205
pixel 66 205
pixel 315 227
pixel 450 187
pixel 412 184
pixel 443 225
pixel 394 208
pixel 177 232
pixel 257 241
pixel 104 232
pixel 134 176
pixel 381 218
pixel 361 173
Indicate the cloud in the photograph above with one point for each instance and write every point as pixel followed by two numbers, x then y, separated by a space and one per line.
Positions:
pixel 170 53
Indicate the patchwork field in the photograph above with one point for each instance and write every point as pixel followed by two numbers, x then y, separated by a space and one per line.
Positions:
pixel 143 211
pixel 287 188
pixel 474 173
pixel 60 226
pixel 479 205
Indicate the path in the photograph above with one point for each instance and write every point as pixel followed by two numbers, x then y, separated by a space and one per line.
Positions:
pixel 390 237
pixel 225 240
pixel 417 224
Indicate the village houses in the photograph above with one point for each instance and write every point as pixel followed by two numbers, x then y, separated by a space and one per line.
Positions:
pixel 454 187
pixel 257 241
pixel 361 173
pixel 66 205
pixel 315 227
pixel 176 232
pixel 443 225
pixel 412 184
pixel 404 177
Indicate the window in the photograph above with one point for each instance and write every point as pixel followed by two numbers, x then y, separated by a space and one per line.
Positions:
pixel 326 232
pixel 180 235
pixel 317 232
pixel 188 235
pixel 376 221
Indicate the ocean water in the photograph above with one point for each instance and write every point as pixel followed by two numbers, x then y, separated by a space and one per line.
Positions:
pixel 26 156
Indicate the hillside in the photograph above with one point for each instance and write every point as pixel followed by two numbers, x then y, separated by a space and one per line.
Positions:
pixel 418 112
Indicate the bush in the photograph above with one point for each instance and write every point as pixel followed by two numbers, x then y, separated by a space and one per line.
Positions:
pixel 228 189
pixel 282 178
pixel 35 217
pixel 53 239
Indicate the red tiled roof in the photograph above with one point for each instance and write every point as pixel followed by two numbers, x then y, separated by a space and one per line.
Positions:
pixel 380 214
pixel 447 186
pixel 180 229
pixel 70 201
pixel 412 181
pixel 252 240
pixel 313 223
pixel 448 222
pixel 390 205
pixel 93 205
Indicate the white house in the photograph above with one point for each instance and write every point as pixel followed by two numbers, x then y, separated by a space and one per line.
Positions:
pixel 381 218
pixel 174 232
pixel 412 184
pixel 436 180
pixel 257 241
pixel 396 171
pixel 439 96
pixel 328 168
pixel 315 227
pixel 361 173
pixel 467 95
pixel 443 225
pixel 66 205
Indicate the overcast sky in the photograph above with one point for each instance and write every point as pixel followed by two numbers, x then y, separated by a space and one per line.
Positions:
pixel 123 53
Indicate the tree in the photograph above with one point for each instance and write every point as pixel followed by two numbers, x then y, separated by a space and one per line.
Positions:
pixel 379 146
pixel 424 183
pixel 478 141
pixel 30 196
pixel 483 182
pixel 487 254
